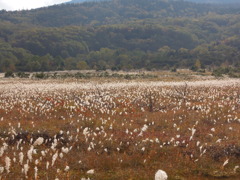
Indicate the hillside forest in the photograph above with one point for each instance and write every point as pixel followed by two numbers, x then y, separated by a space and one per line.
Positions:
pixel 121 35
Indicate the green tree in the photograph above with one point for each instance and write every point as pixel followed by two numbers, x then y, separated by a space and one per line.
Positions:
pixel 82 65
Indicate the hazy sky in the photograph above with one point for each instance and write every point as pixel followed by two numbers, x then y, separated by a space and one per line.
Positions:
pixel 27 4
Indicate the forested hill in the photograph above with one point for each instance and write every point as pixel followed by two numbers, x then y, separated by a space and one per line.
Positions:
pixel 108 12
pixel 120 34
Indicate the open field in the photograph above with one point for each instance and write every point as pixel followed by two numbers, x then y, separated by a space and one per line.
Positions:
pixel 122 130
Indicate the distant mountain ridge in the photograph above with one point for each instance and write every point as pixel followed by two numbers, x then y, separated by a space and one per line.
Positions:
pixel 196 1
pixel 81 1
pixel 107 12
pixel 215 1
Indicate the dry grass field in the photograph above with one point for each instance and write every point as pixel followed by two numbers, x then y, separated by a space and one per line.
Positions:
pixel 66 129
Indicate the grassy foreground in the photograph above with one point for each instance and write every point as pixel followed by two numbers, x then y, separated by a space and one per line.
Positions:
pixel 119 130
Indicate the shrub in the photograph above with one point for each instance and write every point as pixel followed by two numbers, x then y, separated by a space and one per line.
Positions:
pixel 128 76
pixel 9 74
pixel 174 69
pixel 22 75
pixel 202 70
pixel 41 76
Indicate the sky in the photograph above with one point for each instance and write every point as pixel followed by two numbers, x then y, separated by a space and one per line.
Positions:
pixel 27 4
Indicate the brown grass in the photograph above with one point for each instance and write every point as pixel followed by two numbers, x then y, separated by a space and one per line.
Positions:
pixel 114 118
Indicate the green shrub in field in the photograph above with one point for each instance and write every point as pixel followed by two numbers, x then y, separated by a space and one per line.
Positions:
pixel 231 72
pixel 41 76
pixel 22 75
pixel 9 74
